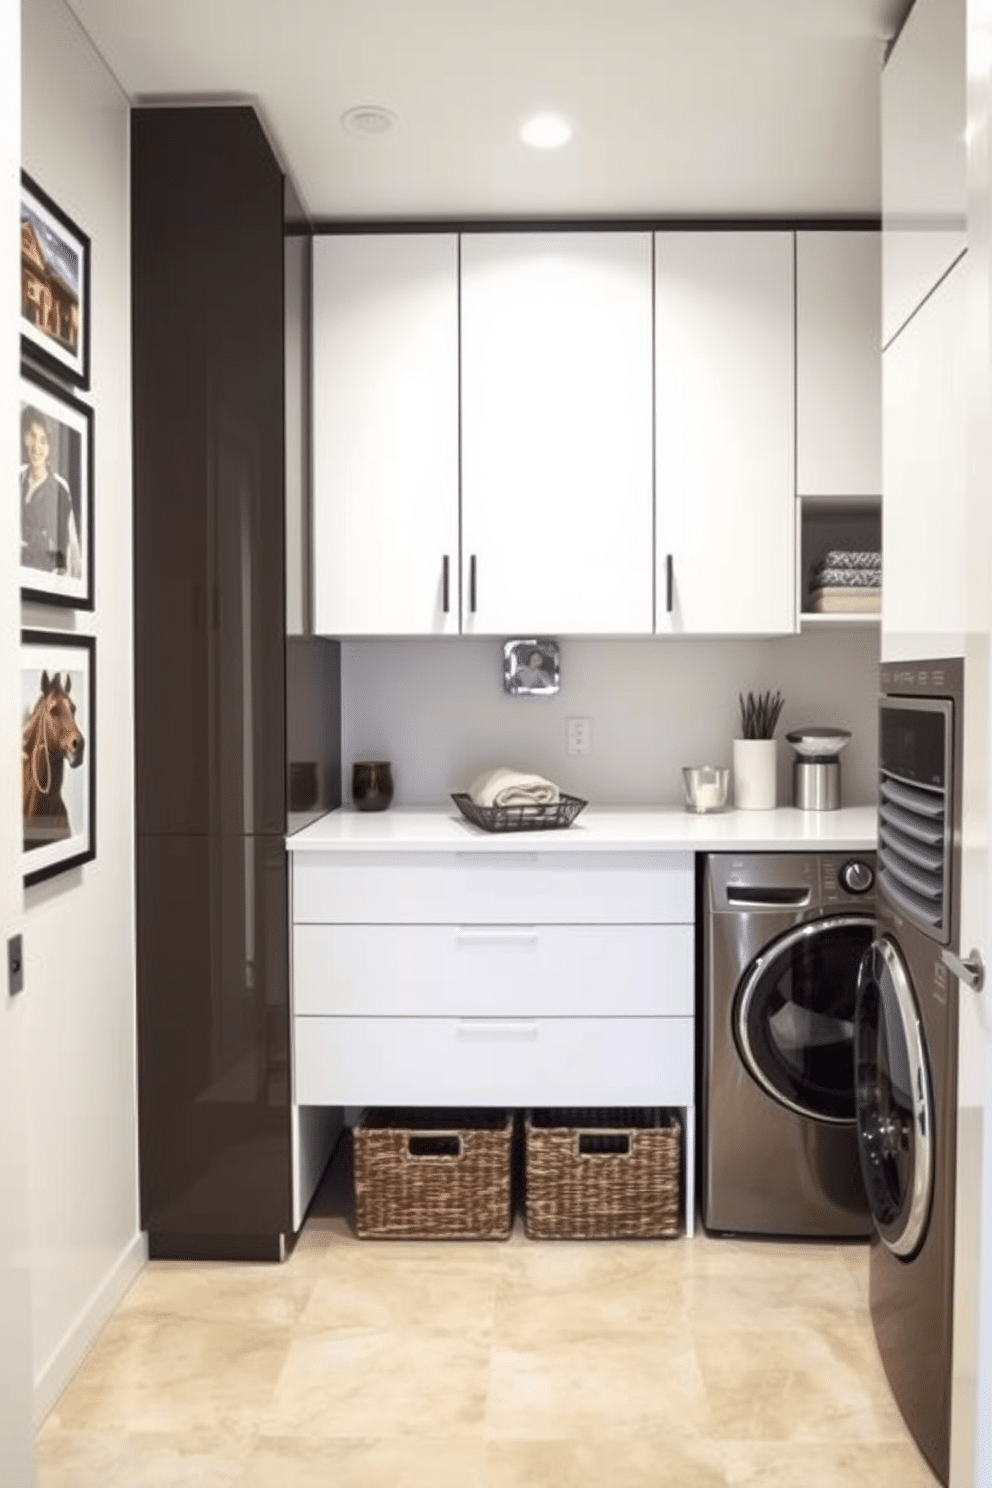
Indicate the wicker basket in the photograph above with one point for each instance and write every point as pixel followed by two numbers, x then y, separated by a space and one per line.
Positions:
pixel 433 1175
pixel 602 1175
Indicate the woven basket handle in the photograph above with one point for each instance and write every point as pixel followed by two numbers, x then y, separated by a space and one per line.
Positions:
pixel 446 1146
pixel 602 1143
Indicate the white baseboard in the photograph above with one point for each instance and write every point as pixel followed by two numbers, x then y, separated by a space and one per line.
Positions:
pixel 62 1364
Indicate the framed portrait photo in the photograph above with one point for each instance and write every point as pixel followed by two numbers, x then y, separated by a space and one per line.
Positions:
pixel 55 493
pixel 58 764
pixel 55 287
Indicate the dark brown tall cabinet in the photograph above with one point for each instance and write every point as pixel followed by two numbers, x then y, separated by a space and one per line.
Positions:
pixel 215 1110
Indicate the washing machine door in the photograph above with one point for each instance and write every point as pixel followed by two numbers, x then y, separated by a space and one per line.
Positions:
pixel 894 1106
pixel 794 1016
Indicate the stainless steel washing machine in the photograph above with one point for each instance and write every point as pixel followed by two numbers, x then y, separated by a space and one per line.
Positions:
pixel 784 935
pixel 906 1044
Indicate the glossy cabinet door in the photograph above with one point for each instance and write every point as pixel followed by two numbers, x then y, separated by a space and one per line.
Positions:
pixel 724 378
pixel 924 156
pixel 385 434
pixel 556 433
pixel 838 364
pixel 925 536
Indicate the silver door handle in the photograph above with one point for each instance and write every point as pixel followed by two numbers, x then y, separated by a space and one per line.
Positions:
pixel 969 969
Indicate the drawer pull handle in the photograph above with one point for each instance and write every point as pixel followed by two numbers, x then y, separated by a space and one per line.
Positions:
pixel 470 935
pixel 600 1144
pixel 435 1146
pixel 496 1029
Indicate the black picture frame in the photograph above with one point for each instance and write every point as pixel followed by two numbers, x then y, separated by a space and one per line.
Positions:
pixel 57 547
pixel 58 796
pixel 55 287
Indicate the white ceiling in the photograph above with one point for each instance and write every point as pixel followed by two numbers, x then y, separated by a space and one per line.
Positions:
pixel 679 106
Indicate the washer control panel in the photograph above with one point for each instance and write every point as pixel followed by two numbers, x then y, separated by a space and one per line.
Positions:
pixel 857 876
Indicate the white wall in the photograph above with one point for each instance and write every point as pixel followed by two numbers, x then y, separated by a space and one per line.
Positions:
pixel 15 1310
pixel 79 927
pixel 436 708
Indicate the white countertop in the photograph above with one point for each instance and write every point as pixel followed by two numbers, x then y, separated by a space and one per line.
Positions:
pixel 602 828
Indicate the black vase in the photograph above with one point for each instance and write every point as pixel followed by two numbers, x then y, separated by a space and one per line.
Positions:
pixel 371 784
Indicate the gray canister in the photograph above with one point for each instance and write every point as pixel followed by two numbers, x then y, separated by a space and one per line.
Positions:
pixel 816 784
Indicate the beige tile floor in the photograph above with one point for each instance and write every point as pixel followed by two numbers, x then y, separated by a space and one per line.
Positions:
pixel 698 1363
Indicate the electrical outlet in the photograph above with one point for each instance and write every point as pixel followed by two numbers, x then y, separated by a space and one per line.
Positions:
pixel 579 736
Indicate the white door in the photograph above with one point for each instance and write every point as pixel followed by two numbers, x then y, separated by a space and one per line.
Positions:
pixel 725 433
pixel 385 434
pixel 556 433
pixel 15 1319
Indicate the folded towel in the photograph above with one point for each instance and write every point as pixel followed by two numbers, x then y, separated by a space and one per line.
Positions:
pixel 848 558
pixel 847 578
pixel 505 787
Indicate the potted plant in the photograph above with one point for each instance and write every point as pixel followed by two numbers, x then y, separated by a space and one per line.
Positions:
pixel 754 751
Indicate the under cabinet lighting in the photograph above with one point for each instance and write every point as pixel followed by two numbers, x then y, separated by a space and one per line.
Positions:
pixel 546 131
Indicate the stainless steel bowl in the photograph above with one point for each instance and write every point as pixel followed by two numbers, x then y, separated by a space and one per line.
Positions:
pixel 818 743
pixel 705 787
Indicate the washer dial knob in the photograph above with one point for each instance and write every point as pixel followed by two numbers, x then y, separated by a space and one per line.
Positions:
pixel 857 876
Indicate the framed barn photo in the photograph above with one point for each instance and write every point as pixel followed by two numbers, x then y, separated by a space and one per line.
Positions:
pixel 58 757
pixel 55 287
pixel 55 492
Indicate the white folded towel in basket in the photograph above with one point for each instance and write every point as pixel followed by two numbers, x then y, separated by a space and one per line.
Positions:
pixel 505 787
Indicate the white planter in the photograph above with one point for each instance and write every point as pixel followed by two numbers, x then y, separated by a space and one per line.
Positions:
pixel 754 774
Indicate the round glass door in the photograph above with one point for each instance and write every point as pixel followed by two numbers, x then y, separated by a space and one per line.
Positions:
pixel 892 1091
pixel 794 1016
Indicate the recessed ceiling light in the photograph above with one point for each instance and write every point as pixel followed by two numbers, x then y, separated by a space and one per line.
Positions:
pixel 368 119
pixel 546 131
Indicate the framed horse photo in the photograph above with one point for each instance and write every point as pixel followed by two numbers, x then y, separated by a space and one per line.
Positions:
pixel 58 755
pixel 55 494
pixel 55 287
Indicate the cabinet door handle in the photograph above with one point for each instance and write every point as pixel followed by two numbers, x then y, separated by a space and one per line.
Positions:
pixel 669 582
pixel 471 584
pixel 445 591
pixel 495 1029
pixel 489 935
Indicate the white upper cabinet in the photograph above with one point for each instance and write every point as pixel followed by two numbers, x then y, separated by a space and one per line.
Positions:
pixel 924 162
pixel 385 434
pixel 924 514
pixel 838 364
pixel 725 419
pixel 556 433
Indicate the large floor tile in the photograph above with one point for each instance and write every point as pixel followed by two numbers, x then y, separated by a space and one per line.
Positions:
pixel 389 1287
pixel 606 1386
pixel 646 1462
pixel 758 1284
pixel 223 1292
pixel 127 1459
pixel 381 1384
pixel 895 1464
pixel 295 1462
pixel 800 1384
pixel 176 1375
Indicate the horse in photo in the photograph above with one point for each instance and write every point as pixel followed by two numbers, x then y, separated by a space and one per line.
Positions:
pixel 51 736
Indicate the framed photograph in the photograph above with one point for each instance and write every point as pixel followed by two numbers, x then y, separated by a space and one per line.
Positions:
pixel 55 287
pixel 55 490
pixel 531 667
pixel 58 765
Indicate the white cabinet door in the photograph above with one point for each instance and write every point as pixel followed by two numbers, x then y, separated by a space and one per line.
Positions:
pixel 924 157
pixel 385 434
pixel 725 414
pixel 556 433
pixel 838 364
pixel 925 540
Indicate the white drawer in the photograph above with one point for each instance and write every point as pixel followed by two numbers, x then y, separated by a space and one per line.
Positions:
pixel 477 888
pixel 492 1061
pixel 504 970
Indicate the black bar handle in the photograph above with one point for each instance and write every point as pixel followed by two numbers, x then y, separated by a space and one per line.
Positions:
pixel 445 574
pixel 471 584
pixel 669 582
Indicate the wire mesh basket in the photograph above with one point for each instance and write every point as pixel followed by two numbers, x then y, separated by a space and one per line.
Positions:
pixel 529 818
